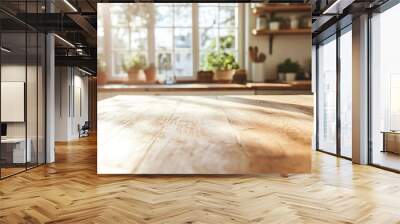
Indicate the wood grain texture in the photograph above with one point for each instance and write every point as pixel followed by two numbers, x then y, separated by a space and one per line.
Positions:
pixel 204 134
pixel 70 191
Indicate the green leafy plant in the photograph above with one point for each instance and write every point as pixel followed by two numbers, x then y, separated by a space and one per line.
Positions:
pixel 134 62
pixel 221 61
pixel 289 66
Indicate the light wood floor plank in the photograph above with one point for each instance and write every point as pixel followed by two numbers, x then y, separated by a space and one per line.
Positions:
pixel 70 191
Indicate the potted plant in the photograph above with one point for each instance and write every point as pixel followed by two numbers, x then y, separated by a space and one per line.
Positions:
pixel 274 23
pixel 205 76
pixel 101 71
pixel 134 66
pixel 288 70
pixel 150 73
pixel 223 64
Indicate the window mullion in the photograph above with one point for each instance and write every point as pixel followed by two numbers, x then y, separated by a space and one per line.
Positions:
pixel 151 49
pixel 195 38
pixel 218 28
pixel 173 41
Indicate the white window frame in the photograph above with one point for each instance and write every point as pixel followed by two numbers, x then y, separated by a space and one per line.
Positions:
pixel 151 50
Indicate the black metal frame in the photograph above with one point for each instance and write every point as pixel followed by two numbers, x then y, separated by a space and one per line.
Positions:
pixel 339 32
pixel 387 5
pixel 44 80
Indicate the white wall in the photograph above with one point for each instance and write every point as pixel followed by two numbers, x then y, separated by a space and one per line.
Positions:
pixel 34 125
pixel 16 73
pixel 70 83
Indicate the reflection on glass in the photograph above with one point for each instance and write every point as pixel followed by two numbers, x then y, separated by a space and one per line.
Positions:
pixel 327 96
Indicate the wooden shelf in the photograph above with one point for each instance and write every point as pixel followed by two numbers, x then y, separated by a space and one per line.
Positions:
pixel 271 8
pixel 261 32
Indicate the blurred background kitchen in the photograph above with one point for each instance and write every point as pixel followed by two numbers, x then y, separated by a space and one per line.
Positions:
pixel 255 45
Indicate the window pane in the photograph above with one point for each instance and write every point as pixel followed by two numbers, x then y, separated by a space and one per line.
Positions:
pixel 183 38
pixel 118 15
pixel 120 37
pixel 209 4
pixel 138 14
pixel 327 97
pixel 345 94
pixel 203 59
pixel 183 16
pixel 208 39
pixel 208 16
pixel 183 64
pixel 164 38
pixel 228 39
pixel 118 60
pixel 14 156
pixel 385 88
pixel 164 16
pixel 227 17
pixel 139 40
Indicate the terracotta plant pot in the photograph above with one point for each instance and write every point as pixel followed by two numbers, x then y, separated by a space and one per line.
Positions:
pixel 150 74
pixel 134 75
pixel 224 75
pixel 101 78
pixel 240 77
pixel 205 76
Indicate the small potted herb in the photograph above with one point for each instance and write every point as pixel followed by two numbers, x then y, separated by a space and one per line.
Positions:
pixel 223 64
pixel 134 66
pixel 274 23
pixel 150 73
pixel 288 70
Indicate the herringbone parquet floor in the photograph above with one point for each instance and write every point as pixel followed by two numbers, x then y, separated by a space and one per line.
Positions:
pixel 69 191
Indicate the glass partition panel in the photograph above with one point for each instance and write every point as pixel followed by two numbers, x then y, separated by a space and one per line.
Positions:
pixel 14 153
pixel 41 79
pixel 327 96
pixel 385 89
pixel 346 94
pixel 31 98
pixel 23 90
